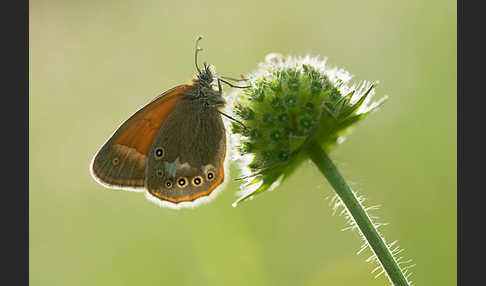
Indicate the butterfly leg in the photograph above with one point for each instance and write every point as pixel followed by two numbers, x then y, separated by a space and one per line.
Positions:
pixel 232 85
pixel 235 79
pixel 231 118
pixel 219 87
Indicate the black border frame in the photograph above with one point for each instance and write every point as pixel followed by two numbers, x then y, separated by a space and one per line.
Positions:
pixel 469 118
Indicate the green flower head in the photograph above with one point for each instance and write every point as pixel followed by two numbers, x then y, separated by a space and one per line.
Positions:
pixel 292 102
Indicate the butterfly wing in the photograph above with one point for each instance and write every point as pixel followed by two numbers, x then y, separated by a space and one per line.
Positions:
pixel 122 160
pixel 186 163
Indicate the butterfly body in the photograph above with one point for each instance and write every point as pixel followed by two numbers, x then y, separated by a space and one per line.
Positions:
pixel 173 148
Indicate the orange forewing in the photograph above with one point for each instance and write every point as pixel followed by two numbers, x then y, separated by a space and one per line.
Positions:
pixel 139 131
pixel 133 139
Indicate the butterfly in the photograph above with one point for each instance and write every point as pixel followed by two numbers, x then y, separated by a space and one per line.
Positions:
pixel 173 148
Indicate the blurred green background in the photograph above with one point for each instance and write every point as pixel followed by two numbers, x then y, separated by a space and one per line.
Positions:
pixel 94 63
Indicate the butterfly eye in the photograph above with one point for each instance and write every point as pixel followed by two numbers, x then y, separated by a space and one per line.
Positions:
pixel 181 182
pixel 197 181
pixel 159 153
pixel 210 175
pixel 168 184
pixel 160 172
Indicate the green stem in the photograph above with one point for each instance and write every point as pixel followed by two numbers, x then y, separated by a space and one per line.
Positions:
pixel 329 170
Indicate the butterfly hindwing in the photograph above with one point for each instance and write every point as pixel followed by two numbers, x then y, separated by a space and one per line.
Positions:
pixel 187 157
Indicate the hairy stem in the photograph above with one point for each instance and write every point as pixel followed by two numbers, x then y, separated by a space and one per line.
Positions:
pixel 361 218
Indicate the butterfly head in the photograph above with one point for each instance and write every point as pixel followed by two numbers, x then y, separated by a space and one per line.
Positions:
pixel 207 91
pixel 206 76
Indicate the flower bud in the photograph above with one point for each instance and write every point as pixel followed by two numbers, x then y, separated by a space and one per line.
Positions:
pixel 291 102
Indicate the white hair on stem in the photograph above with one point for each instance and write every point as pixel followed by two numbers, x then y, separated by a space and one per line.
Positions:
pixel 405 265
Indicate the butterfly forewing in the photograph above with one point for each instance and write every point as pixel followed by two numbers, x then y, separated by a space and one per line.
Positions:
pixel 122 161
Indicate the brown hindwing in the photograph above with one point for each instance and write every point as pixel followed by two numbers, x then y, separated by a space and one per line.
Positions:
pixel 194 143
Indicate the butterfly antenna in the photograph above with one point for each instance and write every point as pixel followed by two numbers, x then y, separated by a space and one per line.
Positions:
pixel 197 50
